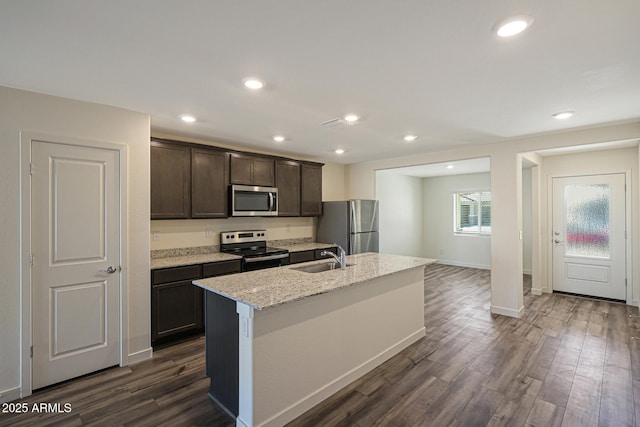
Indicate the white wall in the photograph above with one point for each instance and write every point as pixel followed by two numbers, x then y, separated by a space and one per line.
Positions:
pixel 333 182
pixel 401 212
pixel 27 111
pixel 506 190
pixel 440 242
pixel 527 219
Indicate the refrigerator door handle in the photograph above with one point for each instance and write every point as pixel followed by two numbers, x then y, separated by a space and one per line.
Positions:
pixel 352 224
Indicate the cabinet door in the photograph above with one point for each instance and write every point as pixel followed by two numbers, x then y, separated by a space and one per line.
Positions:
pixel 241 169
pixel 311 190
pixel 263 173
pixel 170 180
pixel 252 170
pixel 209 183
pixel 177 309
pixel 288 183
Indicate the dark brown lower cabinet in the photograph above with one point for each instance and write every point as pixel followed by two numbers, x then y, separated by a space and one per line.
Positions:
pixel 301 256
pixel 332 249
pixel 177 311
pixel 222 353
pixel 310 255
pixel 177 306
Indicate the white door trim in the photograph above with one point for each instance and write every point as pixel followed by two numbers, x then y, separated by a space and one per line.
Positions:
pixel 26 327
pixel 628 240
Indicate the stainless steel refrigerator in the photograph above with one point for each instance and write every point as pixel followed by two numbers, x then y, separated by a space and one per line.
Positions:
pixel 353 224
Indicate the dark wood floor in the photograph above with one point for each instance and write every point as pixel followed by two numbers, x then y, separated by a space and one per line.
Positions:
pixel 569 361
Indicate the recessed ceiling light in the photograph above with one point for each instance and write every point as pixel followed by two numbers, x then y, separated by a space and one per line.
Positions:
pixel 253 84
pixel 351 118
pixel 513 25
pixel 410 138
pixel 562 115
pixel 339 151
pixel 187 118
pixel 278 138
pixel 450 166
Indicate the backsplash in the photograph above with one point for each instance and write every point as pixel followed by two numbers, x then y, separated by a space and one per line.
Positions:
pixel 202 236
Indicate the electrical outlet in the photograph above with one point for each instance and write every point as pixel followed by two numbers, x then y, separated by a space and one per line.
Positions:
pixel 208 232
pixel 155 236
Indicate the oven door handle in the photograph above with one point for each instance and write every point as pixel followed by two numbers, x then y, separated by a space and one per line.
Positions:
pixel 266 258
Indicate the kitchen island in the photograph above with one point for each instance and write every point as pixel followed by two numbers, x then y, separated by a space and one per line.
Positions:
pixel 281 340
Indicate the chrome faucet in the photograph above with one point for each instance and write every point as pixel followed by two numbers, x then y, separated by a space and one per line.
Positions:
pixel 341 259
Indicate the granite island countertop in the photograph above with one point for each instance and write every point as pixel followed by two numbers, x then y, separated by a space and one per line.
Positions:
pixel 263 289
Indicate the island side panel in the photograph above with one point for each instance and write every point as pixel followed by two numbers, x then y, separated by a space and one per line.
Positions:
pixel 246 397
pixel 222 333
pixel 305 351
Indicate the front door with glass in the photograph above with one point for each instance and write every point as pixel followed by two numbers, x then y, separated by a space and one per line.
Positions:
pixel 589 221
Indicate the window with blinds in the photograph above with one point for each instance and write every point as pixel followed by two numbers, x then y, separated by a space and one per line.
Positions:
pixel 472 212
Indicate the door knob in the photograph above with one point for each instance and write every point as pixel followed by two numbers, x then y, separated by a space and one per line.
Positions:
pixel 111 269
pixel 557 241
pixel 556 233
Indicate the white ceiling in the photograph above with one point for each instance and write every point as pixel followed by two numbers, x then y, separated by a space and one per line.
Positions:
pixel 458 167
pixel 433 68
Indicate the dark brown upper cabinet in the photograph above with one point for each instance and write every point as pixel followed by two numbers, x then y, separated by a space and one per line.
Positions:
pixel 311 189
pixel 209 183
pixel 170 180
pixel 252 170
pixel 192 180
pixel 288 183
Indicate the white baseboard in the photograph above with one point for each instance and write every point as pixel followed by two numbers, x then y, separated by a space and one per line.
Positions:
pixel 527 271
pixel 10 394
pixel 536 291
pixel 312 399
pixel 507 311
pixel 464 264
pixel 141 355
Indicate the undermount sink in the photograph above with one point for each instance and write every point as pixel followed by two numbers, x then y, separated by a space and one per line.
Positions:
pixel 319 268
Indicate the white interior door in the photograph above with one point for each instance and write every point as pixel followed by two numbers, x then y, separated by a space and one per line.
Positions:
pixel 589 221
pixel 75 224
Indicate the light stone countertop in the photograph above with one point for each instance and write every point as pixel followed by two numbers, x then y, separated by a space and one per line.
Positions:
pixel 177 261
pixel 271 287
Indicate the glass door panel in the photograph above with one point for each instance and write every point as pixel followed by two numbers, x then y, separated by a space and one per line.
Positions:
pixel 588 224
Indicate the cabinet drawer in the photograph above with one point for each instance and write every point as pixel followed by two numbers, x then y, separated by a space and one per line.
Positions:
pixel 319 251
pixel 175 274
pixel 221 268
pixel 302 256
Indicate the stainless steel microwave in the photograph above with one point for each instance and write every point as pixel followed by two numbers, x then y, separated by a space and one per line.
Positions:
pixel 249 200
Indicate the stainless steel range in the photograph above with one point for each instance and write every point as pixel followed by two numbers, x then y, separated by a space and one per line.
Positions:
pixel 252 246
